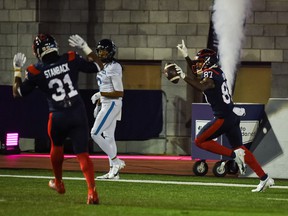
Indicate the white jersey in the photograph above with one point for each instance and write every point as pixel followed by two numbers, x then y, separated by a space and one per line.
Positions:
pixel 110 79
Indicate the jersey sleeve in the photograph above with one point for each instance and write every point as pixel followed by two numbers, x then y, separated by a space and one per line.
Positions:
pixel 117 83
pixel 83 64
pixel 28 84
pixel 115 69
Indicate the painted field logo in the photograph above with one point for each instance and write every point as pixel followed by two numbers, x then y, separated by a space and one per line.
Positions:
pixel 248 129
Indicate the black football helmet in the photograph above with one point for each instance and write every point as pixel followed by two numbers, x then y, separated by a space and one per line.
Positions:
pixel 205 58
pixel 44 44
pixel 106 50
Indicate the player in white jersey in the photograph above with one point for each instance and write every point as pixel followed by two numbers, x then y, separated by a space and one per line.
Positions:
pixel 108 107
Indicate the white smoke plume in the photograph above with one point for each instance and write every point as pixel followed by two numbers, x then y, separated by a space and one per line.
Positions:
pixel 229 21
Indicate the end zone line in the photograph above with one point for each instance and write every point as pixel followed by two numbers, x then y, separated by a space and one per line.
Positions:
pixel 147 181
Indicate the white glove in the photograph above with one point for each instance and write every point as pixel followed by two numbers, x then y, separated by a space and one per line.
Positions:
pixel 183 49
pixel 19 61
pixel 180 71
pixel 97 110
pixel 80 43
pixel 95 97
pixel 239 111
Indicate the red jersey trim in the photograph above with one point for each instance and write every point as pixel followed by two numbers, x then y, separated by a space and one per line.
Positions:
pixel 33 70
pixel 71 56
pixel 211 69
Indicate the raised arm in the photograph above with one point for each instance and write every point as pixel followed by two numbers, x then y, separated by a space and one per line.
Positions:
pixel 184 51
pixel 18 62
pixel 80 43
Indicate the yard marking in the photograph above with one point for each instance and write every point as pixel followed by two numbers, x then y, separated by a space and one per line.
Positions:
pixel 277 199
pixel 147 181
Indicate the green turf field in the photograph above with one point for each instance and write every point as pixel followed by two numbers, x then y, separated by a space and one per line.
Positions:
pixel 25 192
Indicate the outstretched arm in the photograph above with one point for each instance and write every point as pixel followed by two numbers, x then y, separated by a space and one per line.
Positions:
pixel 184 51
pixel 80 43
pixel 198 84
pixel 18 62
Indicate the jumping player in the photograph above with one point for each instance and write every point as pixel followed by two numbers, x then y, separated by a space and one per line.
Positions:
pixel 109 105
pixel 211 81
pixel 57 76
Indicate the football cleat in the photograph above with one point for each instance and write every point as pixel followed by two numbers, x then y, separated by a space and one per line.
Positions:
pixel 268 182
pixel 93 198
pixel 239 159
pixel 120 164
pixel 59 187
pixel 108 176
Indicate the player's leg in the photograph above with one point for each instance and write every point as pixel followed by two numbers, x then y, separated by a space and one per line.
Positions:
pixel 56 154
pixel 103 134
pixel 235 139
pixel 106 121
pixel 87 168
pixel 117 164
pixel 211 130
pixel 109 142
pixel 79 136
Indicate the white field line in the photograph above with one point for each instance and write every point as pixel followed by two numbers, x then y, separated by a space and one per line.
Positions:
pixel 277 199
pixel 148 181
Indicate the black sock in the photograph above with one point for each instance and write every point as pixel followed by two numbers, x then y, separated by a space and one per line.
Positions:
pixel 264 177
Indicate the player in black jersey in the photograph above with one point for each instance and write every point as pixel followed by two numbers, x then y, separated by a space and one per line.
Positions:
pixel 210 80
pixel 57 76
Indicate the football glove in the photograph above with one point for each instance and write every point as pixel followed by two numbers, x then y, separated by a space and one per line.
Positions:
pixel 19 61
pixel 80 43
pixel 183 49
pixel 97 110
pixel 95 97
pixel 180 71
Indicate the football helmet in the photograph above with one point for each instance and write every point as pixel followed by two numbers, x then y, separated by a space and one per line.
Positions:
pixel 106 50
pixel 205 58
pixel 44 44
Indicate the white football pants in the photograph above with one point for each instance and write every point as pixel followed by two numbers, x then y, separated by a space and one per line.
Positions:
pixel 103 131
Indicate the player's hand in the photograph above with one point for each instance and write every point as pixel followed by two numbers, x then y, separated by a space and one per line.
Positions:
pixel 180 71
pixel 97 110
pixel 80 43
pixel 19 61
pixel 183 49
pixel 95 97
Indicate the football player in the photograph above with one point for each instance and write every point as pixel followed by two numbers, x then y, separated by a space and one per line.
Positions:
pixel 210 80
pixel 57 76
pixel 108 106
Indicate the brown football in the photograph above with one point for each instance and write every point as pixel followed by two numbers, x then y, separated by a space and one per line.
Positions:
pixel 171 73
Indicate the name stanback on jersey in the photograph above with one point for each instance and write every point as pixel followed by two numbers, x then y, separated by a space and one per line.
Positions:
pixel 58 80
pixel 218 97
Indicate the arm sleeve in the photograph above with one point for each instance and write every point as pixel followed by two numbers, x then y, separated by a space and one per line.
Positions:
pixel 115 73
pixel 117 83
pixel 84 65
pixel 26 87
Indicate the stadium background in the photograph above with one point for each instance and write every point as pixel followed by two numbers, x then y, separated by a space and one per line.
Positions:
pixel 146 33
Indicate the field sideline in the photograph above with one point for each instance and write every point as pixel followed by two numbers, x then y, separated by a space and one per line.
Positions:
pixel 149 181
pixel 25 192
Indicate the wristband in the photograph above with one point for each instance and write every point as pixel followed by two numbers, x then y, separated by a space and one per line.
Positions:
pixel 17 73
pixel 87 50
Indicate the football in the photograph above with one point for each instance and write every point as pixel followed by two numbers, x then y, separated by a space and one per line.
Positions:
pixel 171 73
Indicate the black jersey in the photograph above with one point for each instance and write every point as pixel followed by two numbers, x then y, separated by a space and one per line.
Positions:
pixel 218 97
pixel 58 80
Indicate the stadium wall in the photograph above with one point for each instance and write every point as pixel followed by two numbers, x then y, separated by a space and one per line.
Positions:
pixel 146 30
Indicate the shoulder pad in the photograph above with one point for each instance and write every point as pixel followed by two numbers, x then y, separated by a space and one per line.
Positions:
pixel 33 70
pixel 71 55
